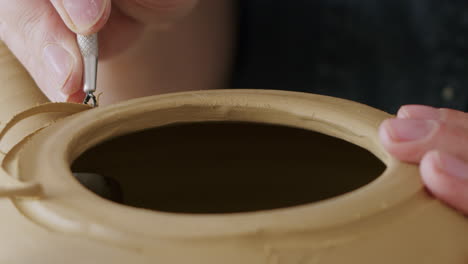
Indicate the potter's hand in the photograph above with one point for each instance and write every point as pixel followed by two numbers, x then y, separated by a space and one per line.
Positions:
pixel 41 33
pixel 437 139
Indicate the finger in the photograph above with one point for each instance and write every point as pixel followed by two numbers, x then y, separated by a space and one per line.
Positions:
pixel 83 16
pixel 40 40
pixel 447 178
pixel 450 116
pixel 155 12
pixel 77 97
pixel 410 139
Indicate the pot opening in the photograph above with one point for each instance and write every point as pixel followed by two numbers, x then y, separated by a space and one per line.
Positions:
pixel 225 167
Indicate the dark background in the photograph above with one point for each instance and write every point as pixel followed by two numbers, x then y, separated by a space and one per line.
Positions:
pixel 383 53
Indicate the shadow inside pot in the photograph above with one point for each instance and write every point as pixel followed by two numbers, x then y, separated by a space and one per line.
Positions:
pixel 227 167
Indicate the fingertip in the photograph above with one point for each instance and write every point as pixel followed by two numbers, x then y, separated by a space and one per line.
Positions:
pixel 77 97
pixel 83 17
pixel 61 72
pixel 386 138
pixel 402 139
pixel 403 111
pixel 101 22
pixel 418 112
pixel 384 135
pixel 430 173
pixel 73 85
pixel 441 183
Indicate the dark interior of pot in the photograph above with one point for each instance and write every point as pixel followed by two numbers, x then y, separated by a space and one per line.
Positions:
pixel 225 167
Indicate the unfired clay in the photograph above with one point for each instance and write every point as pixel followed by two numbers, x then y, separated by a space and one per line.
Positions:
pixel 48 217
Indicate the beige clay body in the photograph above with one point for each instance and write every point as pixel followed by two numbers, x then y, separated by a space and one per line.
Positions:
pixel 48 217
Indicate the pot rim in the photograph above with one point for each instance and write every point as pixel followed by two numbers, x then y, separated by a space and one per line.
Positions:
pixel 70 207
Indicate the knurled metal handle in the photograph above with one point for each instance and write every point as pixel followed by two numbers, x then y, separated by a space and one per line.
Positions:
pixel 89 45
pixel 89 48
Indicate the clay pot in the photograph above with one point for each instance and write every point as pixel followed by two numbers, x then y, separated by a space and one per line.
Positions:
pixel 49 217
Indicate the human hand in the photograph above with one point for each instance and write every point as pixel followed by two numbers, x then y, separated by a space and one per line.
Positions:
pixel 41 34
pixel 437 139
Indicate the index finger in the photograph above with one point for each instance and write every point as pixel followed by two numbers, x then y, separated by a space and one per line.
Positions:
pixel 83 16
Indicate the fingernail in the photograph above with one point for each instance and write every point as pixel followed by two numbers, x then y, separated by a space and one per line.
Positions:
pixel 60 63
pixel 451 166
pixel 404 130
pixel 419 112
pixel 84 13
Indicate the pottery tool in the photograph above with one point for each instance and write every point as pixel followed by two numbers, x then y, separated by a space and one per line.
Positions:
pixel 89 46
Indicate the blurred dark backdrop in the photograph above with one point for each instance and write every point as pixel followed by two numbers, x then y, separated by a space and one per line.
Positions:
pixel 384 53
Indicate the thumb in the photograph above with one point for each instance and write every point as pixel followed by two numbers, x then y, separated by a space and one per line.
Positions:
pixel 34 32
pixel 83 16
pixel 446 176
pixel 155 12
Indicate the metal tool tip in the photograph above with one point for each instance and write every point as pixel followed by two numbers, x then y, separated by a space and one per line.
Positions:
pixel 90 97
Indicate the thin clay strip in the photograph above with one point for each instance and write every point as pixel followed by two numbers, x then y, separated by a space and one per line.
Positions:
pixel 43 108
pixel 10 156
pixel 13 187
pixel 32 189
